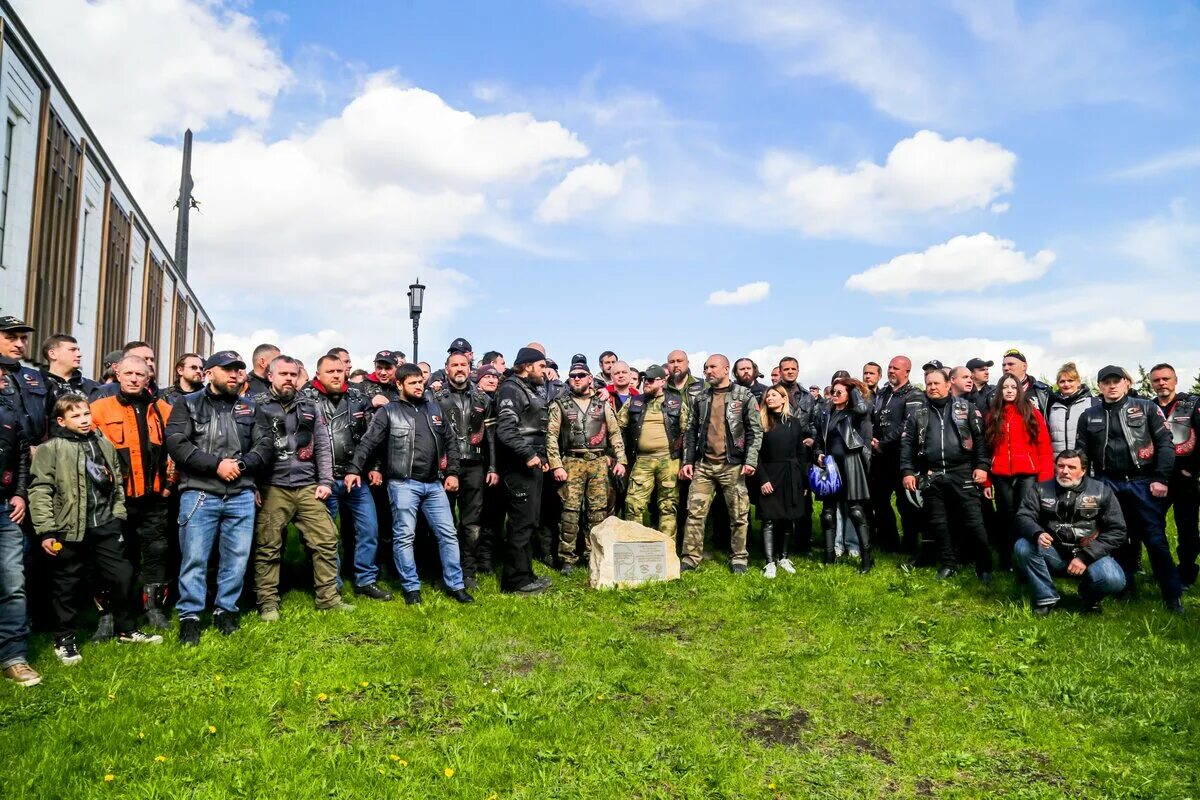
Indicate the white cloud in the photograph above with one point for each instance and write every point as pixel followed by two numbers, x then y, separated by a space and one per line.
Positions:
pixel 987 60
pixel 1169 242
pixel 1176 161
pixel 744 295
pixel 963 264
pixel 585 188
pixel 923 175
pixel 1107 333
pixel 143 68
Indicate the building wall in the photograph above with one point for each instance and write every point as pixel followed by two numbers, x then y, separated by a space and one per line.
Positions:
pixel 89 283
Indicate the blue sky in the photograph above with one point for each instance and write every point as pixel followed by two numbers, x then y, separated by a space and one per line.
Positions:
pixel 587 174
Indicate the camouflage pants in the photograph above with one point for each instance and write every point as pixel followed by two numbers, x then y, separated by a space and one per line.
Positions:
pixel 647 475
pixel 705 481
pixel 587 481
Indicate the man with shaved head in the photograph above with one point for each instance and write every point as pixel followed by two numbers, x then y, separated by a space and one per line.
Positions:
pixel 887 417
pixel 683 387
pixel 724 434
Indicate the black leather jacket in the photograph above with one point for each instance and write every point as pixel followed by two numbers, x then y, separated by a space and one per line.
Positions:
pixel 1183 420
pixel 204 429
pixel 1085 522
pixel 803 407
pixel 942 439
pixel 346 419
pixel 887 416
pixel 14 457
pixel 58 387
pixel 470 412
pixel 392 428
pixel 1039 393
pixel 521 418
pixel 1144 429
pixel 854 427
pixel 743 427
pixel 302 451
pixel 371 387
pixel 633 414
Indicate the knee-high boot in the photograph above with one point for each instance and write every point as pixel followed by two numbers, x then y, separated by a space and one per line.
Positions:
pixel 859 517
pixel 782 530
pixel 829 529
pixel 768 534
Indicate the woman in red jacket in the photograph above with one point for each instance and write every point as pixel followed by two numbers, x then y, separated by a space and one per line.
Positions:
pixel 1021 457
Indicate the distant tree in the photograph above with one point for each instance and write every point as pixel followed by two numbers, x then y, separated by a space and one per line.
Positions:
pixel 1142 384
pixel 1196 384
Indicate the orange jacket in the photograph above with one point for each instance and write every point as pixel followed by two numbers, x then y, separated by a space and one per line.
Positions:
pixel 144 464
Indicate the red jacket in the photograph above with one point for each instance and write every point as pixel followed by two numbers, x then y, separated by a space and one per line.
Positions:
pixel 1014 454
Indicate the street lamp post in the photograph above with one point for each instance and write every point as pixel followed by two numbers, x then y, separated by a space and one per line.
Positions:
pixel 416 302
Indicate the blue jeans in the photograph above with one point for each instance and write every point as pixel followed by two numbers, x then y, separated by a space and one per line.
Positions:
pixel 14 625
pixel 1146 519
pixel 366 529
pixel 205 519
pixel 1103 576
pixel 406 497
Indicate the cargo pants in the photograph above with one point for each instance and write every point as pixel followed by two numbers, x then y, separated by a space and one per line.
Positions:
pixel 707 478
pixel 648 474
pixel 587 482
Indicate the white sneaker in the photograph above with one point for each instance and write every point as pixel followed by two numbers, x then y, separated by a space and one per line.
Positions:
pixel 785 564
pixel 769 571
pixel 838 552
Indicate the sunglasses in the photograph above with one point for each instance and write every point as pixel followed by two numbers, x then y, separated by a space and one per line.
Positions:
pixel 579 375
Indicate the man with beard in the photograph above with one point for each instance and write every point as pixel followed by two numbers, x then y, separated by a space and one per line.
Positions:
pixel 521 418
pixel 887 420
pixel 1182 411
pixel 469 412
pixel 607 360
pixel 944 455
pixel 804 410
pixel 380 385
pixel 212 439
pixel 26 392
pixel 62 374
pixel 294 487
pixel 421 465
pixel 1130 446
pixel 346 413
pixel 746 373
pixel 872 374
pixel 653 426
pixel 724 434
pixel 580 429
pixel 487 380
pixel 1071 525
pixel 136 424
pixel 189 377
pixel 1017 365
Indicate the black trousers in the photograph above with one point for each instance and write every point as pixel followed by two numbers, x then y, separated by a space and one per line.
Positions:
pixel 468 501
pixel 383 514
pixel 546 534
pixel 523 495
pixel 145 532
pixel 1009 491
pixel 491 535
pixel 885 480
pixel 955 521
pixel 103 551
pixel 1184 494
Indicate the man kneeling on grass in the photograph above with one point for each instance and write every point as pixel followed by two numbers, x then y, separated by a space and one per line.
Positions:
pixel 1072 524
pixel 77 502
pixel 420 462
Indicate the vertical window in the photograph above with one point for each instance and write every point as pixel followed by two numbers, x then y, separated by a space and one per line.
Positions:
pixel 87 215
pixel 10 131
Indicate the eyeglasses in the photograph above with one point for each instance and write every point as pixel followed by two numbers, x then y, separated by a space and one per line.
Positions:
pixel 579 376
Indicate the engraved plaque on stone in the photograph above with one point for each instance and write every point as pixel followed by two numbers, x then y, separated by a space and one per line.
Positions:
pixel 639 561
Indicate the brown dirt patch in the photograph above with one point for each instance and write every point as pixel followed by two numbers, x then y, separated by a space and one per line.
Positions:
pixel 784 730
pixel 865 746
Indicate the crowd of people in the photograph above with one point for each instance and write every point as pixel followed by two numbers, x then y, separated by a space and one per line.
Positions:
pixel 150 500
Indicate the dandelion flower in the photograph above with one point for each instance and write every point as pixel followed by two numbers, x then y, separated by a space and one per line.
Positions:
pixel 112 696
pixel 381 770
pixel 322 697
pixel 394 757
pixel 160 759
pixel 365 684
pixel 448 772
pixel 141 734
pixel 212 729
pixel 109 777
pixel 771 785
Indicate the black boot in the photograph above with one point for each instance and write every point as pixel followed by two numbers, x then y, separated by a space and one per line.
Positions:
pixel 155 596
pixel 859 518
pixel 829 529
pixel 768 534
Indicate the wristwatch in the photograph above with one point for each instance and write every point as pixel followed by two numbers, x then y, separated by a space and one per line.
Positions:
pixel 241 465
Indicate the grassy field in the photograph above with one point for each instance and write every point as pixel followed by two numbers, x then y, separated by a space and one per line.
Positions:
pixel 821 684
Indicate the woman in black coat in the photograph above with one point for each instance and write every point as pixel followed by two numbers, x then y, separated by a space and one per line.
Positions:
pixel 844 434
pixel 783 481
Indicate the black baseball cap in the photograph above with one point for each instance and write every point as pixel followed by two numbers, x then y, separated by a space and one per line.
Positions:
pixel 654 373
pixel 11 324
pixel 552 364
pixel 460 345
pixel 386 357
pixel 1111 371
pixel 224 358
pixel 933 364
pixel 979 363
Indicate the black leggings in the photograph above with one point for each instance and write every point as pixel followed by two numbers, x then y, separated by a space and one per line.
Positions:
pixel 1009 491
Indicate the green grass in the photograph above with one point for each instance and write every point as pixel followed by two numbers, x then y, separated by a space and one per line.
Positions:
pixel 824 684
